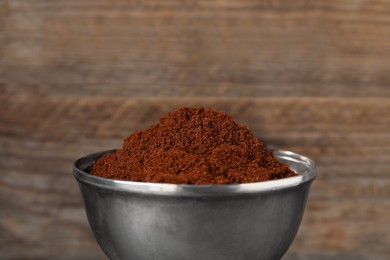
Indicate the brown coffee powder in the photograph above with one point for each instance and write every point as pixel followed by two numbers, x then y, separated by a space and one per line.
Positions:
pixel 193 146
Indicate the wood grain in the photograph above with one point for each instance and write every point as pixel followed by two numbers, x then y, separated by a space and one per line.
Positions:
pixel 77 77
pixel 195 48
pixel 347 213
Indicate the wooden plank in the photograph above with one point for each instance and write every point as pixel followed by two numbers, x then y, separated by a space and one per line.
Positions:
pixel 44 226
pixel 330 255
pixel 64 63
pixel 197 48
pixel 346 137
pixel 361 222
pixel 348 208
pixel 342 214
pixel 355 208
pixel 39 117
pixel 38 167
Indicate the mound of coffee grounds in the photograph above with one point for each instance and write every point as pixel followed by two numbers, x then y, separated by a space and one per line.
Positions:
pixel 193 146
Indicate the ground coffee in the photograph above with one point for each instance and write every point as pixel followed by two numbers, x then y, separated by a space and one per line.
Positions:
pixel 192 146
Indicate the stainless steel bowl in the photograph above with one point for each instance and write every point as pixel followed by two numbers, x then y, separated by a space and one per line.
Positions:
pixel 136 220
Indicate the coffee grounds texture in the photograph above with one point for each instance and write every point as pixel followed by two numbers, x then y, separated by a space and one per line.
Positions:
pixel 193 146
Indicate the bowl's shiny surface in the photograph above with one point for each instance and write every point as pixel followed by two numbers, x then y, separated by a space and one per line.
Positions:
pixel 135 220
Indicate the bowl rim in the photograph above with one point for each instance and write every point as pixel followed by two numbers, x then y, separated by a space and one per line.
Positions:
pixel 306 176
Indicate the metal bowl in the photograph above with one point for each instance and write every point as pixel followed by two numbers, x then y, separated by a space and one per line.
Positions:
pixel 137 220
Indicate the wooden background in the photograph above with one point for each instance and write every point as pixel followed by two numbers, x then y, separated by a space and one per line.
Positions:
pixel 77 77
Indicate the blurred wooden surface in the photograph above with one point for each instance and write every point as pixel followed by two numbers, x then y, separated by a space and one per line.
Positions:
pixel 79 76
